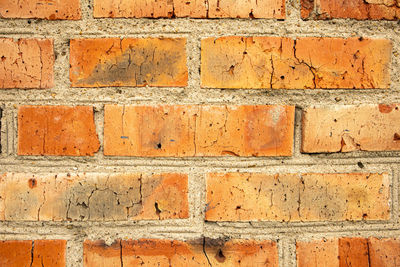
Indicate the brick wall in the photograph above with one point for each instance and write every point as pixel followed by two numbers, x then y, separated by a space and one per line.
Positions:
pixel 199 133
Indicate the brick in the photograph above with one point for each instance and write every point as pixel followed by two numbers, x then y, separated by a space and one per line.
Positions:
pixel 128 62
pixel 57 130
pixel 350 128
pixel 92 197
pixel 204 252
pixel 348 251
pixel 26 63
pixel 198 130
pixel 39 9
pixel 192 9
pixel 284 63
pixel 352 9
pixel 35 253
pixel 297 197
pixel 384 252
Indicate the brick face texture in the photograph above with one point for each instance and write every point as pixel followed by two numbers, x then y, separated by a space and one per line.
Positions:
pixel 186 131
pixel 26 63
pixel 128 62
pixel 349 251
pixel 92 197
pixel 351 128
pixel 284 63
pixel 35 253
pixel 192 9
pixel 57 130
pixel 354 9
pixel 297 197
pixel 53 10
pixel 205 252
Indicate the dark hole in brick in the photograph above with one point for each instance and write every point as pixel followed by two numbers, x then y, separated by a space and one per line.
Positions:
pixel 282 77
pixel 32 183
pixel 238 207
pixel 360 164
pixel 396 137
pixel 159 145
pixel 220 256
pixel 158 211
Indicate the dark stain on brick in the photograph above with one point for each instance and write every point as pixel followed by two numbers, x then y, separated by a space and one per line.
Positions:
pixel 32 183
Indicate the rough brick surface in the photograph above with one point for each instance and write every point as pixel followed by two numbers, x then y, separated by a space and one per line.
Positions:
pixel 26 63
pixel 297 197
pixel 57 130
pixel 128 62
pixel 353 9
pixel 351 128
pixel 38 253
pixel 347 251
pixel 65 9
pixel 283 63
pixel 204 252
pixel 183 131
pixel 92 197
pixel 193 9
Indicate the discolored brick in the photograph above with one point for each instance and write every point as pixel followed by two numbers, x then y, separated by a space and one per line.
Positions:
pixel 128 62
pixel 92 197
pixel 351 9
pixel 192 9
pixel 204 252
pixel 297 197
pixel 284 63
pixel 350 128
pixel 26 63
pixel 198 130
pixel 57 130
pixel 35 253
pixel 39 9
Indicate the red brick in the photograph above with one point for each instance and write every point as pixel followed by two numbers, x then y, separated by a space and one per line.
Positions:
pixel 348 251
pixel 351 9
pixel 40 9
pixel 186 131
pixel 26 63
pixel 192 9
pixel 297 197
pixel 128 62
pixel 93 197
pixel 38 253
pixel 204 252
pixel 57 130
pixel 351 128
pixel 284 63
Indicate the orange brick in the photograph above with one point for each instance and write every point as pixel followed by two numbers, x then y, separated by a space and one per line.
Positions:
pixel 192 9
pixel 40 9
pixel 297 197
pixel 186 131
pixel 38 253
pixel 204 252
pixel 348 251
pixel 284 63
pixel 128 62
pixel 57 130
pixel 93 197
pixel 384 252
pixel 352 9
pixel 26 63
pixel 351 128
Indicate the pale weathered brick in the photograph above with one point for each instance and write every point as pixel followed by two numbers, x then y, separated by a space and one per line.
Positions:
pixel 196 130
pixel 351 128
pixel 57 130
pixel 92 197
pixel 297 197
pixel 64 9
pixel 192 9
pixel 128 62
pixel 26 63
pixel 284 63
pixel 203 252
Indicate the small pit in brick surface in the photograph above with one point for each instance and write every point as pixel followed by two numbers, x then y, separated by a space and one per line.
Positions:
pixel 32 183
pixel 220 257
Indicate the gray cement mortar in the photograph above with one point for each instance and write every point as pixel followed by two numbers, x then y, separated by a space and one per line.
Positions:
pixel 194 30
